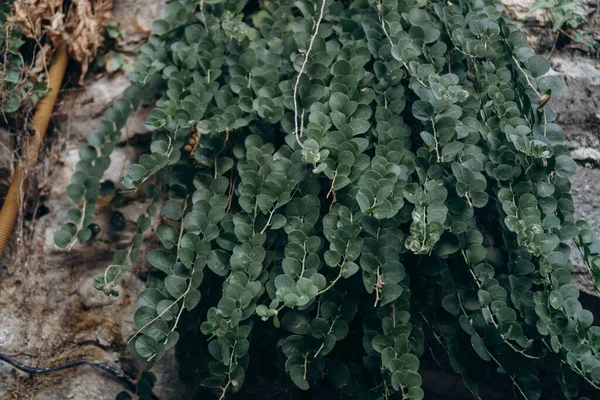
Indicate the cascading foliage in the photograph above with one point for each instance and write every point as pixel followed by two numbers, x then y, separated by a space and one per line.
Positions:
pixel 16 86
pixel 359 179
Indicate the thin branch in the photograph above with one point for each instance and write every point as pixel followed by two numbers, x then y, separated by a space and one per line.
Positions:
pixel 269 220
pixel 312 40
pixel 435 139
pixel 161 314
pixel 79 227
pixel 526 77
pixel 332 284
pixel 181 227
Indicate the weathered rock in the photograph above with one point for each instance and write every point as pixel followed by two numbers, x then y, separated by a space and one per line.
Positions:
pixel 136 17
pixel 6 161
pixel 586 154
pixel 577 103
pixel 92 298
pixel 8 380
pixel 83 110
pixel 87 383
pixel 518 10
pixel 49 310
pixel 586 196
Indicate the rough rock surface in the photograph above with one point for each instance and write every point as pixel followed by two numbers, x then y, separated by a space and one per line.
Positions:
pixel 49 311
pixel 586 200
pixel 578 102
pixel 6 164
pixel 519 10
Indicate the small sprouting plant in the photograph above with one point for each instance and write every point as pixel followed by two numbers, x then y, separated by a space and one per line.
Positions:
pixel 115 31
pixel 562 13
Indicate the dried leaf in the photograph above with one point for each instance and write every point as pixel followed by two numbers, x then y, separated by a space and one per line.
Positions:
pixel 82 27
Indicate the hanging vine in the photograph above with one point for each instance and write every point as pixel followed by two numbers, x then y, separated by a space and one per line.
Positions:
pixel 371 172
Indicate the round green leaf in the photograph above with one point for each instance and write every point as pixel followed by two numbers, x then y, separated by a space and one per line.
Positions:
pixel 538 65
pixel 175 285
pixel 422 110
pixel 161 259
pixel 296 322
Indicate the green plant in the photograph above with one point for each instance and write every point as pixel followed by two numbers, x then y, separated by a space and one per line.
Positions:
pixel 562 12
pixel 113 61
pixel 114 30
pixel 10 75
pixel 366 177
pixel 16 87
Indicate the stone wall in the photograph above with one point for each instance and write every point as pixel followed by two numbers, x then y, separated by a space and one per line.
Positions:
pixel 49 311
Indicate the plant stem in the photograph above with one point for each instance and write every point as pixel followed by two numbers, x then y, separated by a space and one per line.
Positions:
pixel 310 45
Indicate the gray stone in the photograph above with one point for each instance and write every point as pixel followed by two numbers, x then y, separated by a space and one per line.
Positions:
pixel 85 383
pixel 586 154
pixel 6 161
pixel 49 310
pixel 83 110
pixel 92 298
pixel 586 195
pixel 577 103
pixel 518 10
pixel 8 380
pixel 136 17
